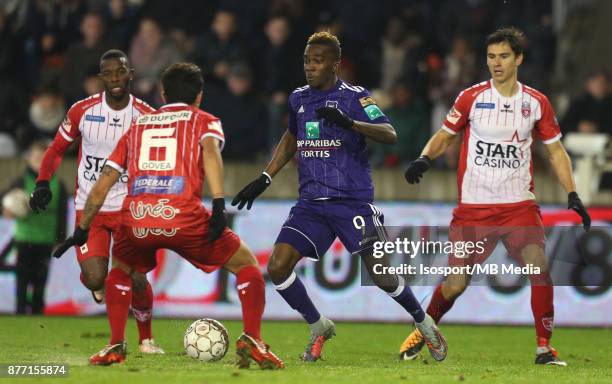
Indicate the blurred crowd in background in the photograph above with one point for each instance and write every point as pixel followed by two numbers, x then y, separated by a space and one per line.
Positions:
pixel 415 56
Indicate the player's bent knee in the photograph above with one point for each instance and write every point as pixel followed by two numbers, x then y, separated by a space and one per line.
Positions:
pixel 139 282
pixel 243 257
pixel 281 263
pixel 94 271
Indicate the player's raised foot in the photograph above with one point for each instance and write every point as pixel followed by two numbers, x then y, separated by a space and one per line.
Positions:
pixel 411 347
pixel 319 334
pixel 150 347
pixel 247 349
pixel 433 338
pixel 548 356
pixel 113 353
pixel 98 296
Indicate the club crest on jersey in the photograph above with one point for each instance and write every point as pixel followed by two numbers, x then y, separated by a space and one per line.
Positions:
pixel 94 118
pixel 312 130
pixel 331 103
pixel 526 109
pixel 548 323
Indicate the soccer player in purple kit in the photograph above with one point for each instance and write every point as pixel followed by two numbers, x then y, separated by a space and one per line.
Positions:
pixel 329 121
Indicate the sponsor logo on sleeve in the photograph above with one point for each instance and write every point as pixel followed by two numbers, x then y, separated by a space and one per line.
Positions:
pixel 365 101
pixel 453 116
pixel 373 111
pixel 165 185
pixel 94 118
pixel 485 105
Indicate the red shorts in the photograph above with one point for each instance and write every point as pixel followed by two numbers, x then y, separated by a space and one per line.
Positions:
pixel 516 225
pixel 136 247
pixel 103 226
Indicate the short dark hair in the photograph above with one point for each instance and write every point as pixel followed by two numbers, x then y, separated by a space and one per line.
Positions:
pixel 511 35
pixel 328 39
pixel 182 82
pixel 114 54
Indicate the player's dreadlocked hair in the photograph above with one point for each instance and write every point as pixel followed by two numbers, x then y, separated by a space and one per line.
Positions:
pixel 328 39
pixel 511 35
pixel 182 82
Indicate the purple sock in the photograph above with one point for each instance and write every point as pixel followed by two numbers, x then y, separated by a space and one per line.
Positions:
pixel 294 293
pixel 404 296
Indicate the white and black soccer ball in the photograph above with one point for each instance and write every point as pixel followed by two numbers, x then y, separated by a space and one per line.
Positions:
pixel 206 340
pixel 16 203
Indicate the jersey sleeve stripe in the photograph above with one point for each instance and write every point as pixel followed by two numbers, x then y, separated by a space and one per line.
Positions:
pixel 447 129
pixel 65 135
pixel 115 165
pixel 220 138
pixel 552 140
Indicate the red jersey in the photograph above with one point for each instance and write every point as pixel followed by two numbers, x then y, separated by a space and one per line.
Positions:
pixel 163 157
pixel 496 165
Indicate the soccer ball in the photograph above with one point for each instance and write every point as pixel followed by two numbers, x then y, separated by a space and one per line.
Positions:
pixel 206 340
pixel 16 203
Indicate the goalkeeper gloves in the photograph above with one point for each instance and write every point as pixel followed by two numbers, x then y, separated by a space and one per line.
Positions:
pixel 78 238
pixel 336 116
pixel 41 196
pixel 249 193
pixel 416 169
pixel 574 202
pixel 217 222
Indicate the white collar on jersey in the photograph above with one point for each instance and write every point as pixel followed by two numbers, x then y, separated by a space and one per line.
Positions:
pixel 108 107
pixel 518 93
pixel 175 105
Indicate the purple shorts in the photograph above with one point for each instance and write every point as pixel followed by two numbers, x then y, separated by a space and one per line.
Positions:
pixel 313 225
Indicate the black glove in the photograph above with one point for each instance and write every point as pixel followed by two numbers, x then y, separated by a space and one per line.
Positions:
pixel 574 202
pixel 416 169
pixel 336 116
pixel 217 222
pixel 78 238
pixel 249 193
pixel 41 196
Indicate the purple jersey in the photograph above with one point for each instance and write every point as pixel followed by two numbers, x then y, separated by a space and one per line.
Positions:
pixel 333 161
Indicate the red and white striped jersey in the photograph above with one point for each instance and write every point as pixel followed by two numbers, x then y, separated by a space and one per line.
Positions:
pixel 496 165
pixel 163 157
pixel 100 127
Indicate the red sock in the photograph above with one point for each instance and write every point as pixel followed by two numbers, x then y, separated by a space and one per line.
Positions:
pixel 543 312
pixel 252 294
pixel 142 308
pixel 118 297
pixel 439 305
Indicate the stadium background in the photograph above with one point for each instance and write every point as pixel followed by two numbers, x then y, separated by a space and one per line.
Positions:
pixel 415 55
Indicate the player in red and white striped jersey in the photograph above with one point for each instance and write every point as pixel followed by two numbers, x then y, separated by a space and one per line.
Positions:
pixel 100 121
pixel 167 155
pixel 499 120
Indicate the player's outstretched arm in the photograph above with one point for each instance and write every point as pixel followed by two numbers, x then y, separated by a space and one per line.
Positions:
pixel 381 133
pixel 41 196
pixel 435 147
pixel 562 165
pixel 285 150
pixel 95 200
pixel 213 170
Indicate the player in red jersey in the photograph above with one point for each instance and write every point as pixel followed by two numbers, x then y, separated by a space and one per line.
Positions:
pixel 499 119
pixel 167 154
pixel 99 121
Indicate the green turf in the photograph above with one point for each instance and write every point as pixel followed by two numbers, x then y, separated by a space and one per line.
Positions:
pixel 361 353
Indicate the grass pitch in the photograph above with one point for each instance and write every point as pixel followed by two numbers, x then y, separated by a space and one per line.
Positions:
pixel 360 353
